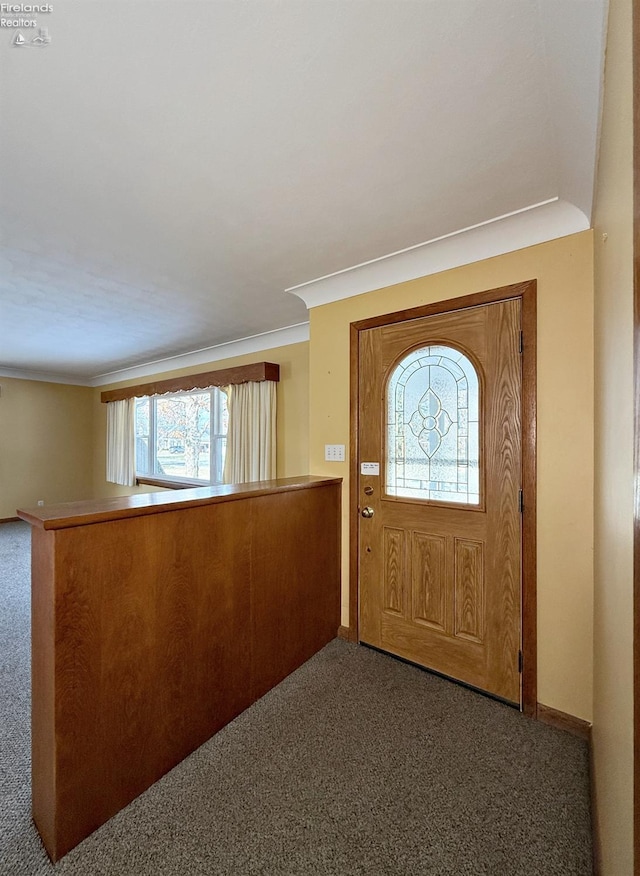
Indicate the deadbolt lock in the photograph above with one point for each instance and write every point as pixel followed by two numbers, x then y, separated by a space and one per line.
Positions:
pixel 368 491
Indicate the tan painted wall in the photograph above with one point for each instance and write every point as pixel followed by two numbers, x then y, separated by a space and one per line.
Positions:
pixel 292 413
pixel 564 271
pixel 45 443
pixel 613 598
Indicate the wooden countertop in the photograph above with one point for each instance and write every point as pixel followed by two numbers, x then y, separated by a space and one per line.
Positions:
pixel 68 514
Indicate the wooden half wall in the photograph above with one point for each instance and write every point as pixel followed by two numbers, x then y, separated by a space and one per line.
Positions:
pixel 158 618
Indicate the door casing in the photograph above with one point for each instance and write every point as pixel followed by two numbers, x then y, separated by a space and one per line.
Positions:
pixel 526 292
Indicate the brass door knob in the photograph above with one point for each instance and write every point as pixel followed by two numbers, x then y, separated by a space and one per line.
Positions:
pixel 367 511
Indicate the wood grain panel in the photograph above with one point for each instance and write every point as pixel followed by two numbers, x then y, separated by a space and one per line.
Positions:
pixel 394 570
pixel 464 658
pixel 470 525
pixel 442 518
pixel 485 539
pixel 475 299
pixel 89 511
pixel 503 438
pixel 529 678
pixel 354 471
pixel 469 589
pixel 399 338
pixel 152 632
pixel 563 721
pixel 346 633
pixel 195 616
pixel 428 579
pixel 371 548
pixel 295 602
pixel 43 737
pixel 79 755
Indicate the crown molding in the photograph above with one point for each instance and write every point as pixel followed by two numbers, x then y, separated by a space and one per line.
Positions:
pixel 293 334
pixel 538 223
pixel 43 376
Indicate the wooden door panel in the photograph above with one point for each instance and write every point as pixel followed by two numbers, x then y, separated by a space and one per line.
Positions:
pixel 407 514
pixel 468 589
pixel 406 335
pixel 440 581
pixel 464 660
pixel 428 576
pixel 394 571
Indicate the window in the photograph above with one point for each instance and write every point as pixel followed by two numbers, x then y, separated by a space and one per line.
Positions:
pixel 433 430
pixel 182 436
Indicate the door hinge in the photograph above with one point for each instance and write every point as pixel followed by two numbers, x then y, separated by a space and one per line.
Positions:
pixel 521 501
pixel 520 661
pixel 521 342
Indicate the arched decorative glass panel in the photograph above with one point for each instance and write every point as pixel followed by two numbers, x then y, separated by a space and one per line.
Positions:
pixel 433 430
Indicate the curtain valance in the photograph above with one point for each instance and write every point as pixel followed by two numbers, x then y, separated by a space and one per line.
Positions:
pixel 256 372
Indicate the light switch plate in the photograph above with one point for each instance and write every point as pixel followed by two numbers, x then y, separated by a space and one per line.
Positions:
pixel 334 452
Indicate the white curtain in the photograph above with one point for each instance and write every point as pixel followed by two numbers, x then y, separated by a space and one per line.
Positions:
pixel 121 446
pixel 251 434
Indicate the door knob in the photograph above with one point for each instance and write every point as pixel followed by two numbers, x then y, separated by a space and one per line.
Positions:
pixel 367 511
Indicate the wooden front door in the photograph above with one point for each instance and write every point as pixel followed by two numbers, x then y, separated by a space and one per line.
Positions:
pixel 439 435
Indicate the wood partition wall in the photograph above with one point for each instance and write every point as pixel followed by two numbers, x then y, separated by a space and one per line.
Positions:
pixel 158 618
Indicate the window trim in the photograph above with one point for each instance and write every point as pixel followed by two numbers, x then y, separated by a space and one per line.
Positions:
pixel 148 480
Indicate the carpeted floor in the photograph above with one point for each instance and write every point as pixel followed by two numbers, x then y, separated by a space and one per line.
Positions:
pixel 355 764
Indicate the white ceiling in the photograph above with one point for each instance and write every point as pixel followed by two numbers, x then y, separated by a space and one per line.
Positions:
pixel 168 170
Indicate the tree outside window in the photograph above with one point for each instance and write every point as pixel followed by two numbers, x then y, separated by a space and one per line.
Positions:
pixel 182 436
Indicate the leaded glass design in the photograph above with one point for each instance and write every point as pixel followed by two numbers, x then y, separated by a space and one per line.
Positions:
pixel 433 445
